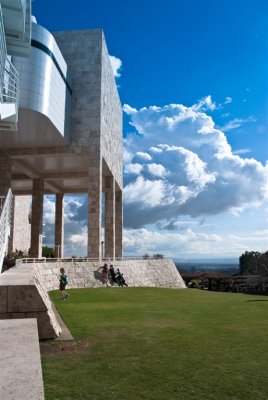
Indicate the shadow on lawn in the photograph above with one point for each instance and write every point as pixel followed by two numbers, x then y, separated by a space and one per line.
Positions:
pixel 247 301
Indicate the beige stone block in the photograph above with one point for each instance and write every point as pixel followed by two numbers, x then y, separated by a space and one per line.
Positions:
pixel 24 298
pixel 3 299
pixel 46 330
pixel 12 315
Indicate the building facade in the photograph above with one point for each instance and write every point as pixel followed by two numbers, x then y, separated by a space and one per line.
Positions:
pixel 68 136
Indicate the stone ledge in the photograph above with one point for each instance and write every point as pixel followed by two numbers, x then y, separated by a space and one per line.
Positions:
pixel 22 296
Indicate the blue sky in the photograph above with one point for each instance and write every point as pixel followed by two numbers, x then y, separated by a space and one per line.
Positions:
pixel 180 52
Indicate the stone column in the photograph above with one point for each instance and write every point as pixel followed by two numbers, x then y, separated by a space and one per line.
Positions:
pixel 59 225
pixel 94 211
pixel 5 175
pixel 109 217
pixel 118 224
pixel 37 218
pixel 5 185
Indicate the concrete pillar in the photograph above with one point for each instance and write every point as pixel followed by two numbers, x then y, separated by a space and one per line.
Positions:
pixel 94 211
pixel 118 224
pixel 37 218
pixel 59 225
pixel 5 175
pixel 109 217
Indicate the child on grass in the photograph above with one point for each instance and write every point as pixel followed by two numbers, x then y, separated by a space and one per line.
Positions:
pixel 63 278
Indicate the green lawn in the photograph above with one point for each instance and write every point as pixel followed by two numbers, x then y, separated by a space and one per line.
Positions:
pixel 159 344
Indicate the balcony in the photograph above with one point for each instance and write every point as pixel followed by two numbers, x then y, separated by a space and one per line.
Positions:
pixel 9 84
pixel 17 26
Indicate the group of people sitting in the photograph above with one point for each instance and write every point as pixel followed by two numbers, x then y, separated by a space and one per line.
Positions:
pixel 115 277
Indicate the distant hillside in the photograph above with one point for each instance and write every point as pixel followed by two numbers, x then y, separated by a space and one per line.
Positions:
pixel 228 269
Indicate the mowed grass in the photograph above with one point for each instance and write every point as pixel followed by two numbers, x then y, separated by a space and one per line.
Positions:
pixel 159 344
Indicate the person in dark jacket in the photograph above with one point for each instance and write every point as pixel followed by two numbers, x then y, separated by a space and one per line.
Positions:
pixel 120 279
pixel 112 274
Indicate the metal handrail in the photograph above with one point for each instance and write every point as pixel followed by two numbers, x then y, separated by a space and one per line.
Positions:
pixel 5 223
pixel 10 83
pixel 82 259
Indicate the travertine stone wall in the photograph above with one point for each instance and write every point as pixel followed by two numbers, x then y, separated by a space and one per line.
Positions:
pixel 82 53
pixel 111 118
pixel 96 117
pixel 137 273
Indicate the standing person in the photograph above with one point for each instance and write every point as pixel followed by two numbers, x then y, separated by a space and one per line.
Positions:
pixel 104 273
pixel 63 278
pixel 112 273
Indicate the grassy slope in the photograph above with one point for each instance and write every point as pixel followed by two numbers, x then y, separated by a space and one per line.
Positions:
pixel 161 344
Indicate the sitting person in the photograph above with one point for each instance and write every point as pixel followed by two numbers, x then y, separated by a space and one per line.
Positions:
pixel 112 274
pixel 120 279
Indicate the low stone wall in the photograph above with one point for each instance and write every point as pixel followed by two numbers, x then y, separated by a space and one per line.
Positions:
pixel 23 296
pixel 137 273
pixel 24 289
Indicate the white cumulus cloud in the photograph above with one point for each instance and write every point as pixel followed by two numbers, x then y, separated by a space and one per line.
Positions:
pixel 116 64
pixel 156 169
pixel 144 156
pixel 192 169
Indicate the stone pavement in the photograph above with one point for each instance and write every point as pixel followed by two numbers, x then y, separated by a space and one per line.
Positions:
pixel 20 365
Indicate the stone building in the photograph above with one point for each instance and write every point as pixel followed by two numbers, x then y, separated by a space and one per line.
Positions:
pixel 68 138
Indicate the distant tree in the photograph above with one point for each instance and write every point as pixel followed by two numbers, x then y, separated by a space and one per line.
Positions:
pixel 158 256
pixel 146 256
pixel 48 251
pixel 263 264
pixel 253 262
pixel 10 258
